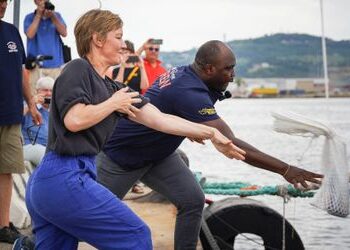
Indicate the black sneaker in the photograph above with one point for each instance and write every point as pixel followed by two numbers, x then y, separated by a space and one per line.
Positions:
pixel 9 234
pixel 24 243
pixel 13 228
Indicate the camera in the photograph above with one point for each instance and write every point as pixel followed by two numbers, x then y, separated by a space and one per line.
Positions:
pixel 156 41
pixel 30 63
pixel 47 100
pixel 49 6
pixel 133 59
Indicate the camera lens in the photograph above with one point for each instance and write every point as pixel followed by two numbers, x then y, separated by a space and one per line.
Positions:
pixel 49 6
pixel 47 100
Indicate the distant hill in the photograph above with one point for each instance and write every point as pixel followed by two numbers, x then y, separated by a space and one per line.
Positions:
pixel 281 56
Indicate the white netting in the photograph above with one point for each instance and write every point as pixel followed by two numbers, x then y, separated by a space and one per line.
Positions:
pixel 333 196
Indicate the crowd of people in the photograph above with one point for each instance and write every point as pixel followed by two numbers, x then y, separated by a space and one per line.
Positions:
pixel 89 162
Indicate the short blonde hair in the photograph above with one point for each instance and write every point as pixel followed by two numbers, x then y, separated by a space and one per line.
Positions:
pixel 94 21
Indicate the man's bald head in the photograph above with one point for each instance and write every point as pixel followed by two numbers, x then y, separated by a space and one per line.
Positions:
pixel 211 52
pixel 214 64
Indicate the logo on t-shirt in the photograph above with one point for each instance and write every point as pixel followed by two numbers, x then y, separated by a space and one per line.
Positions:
pixel 165 79
pixel 207 111
pixel 12 46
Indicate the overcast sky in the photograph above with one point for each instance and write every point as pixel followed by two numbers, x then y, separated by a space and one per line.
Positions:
pixel 184 24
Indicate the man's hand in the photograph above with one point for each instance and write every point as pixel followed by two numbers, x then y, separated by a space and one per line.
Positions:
pixel 37 119
pixel 40 10
pixel 147 44
pixel 50 14
pixel 144 47
pixel 226 147
pixel 298 176
pixel 39 99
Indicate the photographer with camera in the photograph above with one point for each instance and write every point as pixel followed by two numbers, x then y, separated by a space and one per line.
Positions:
pixel 35 137
pixel 43 29
pixel 131 71
pixel 153 66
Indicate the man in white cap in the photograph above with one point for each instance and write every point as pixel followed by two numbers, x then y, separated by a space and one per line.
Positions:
pixel 35 137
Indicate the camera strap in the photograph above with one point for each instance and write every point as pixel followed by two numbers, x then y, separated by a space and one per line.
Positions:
pixel 66 51
pixel 131 75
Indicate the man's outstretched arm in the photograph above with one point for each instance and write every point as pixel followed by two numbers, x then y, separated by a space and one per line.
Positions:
pixel 259 159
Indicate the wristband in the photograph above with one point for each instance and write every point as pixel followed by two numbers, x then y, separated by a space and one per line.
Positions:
pixel 286 171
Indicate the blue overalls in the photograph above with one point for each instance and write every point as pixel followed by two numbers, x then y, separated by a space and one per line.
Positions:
pixel 81 210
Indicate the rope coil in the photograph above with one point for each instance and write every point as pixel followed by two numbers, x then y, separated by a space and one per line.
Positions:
pixel 246 189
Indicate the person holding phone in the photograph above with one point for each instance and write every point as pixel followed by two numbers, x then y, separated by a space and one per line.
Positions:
pixel 131 71
pixel 35 137
pixel 153 65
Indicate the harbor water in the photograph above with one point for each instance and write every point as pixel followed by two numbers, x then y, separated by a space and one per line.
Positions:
pixel 251 120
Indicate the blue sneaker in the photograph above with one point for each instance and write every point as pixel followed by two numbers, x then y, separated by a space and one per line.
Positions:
pixel 23 243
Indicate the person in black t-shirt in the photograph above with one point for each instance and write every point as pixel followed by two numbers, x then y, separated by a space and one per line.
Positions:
pixel 62 196
pixel 131 71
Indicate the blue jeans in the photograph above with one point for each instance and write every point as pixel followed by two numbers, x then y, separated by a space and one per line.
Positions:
pixel 67 204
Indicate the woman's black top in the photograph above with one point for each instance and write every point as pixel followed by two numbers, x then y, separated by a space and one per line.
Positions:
pixel 80 83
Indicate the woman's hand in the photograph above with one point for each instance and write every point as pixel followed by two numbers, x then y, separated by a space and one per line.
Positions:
pixel 298 176
pixel 226 147
pixel 123 100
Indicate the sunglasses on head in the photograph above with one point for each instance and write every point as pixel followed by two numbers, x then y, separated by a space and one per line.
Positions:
pixel 153 49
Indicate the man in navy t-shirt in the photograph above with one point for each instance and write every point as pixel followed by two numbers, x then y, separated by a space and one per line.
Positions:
pixel 133 145
pixel 12 88
pixel 136 152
